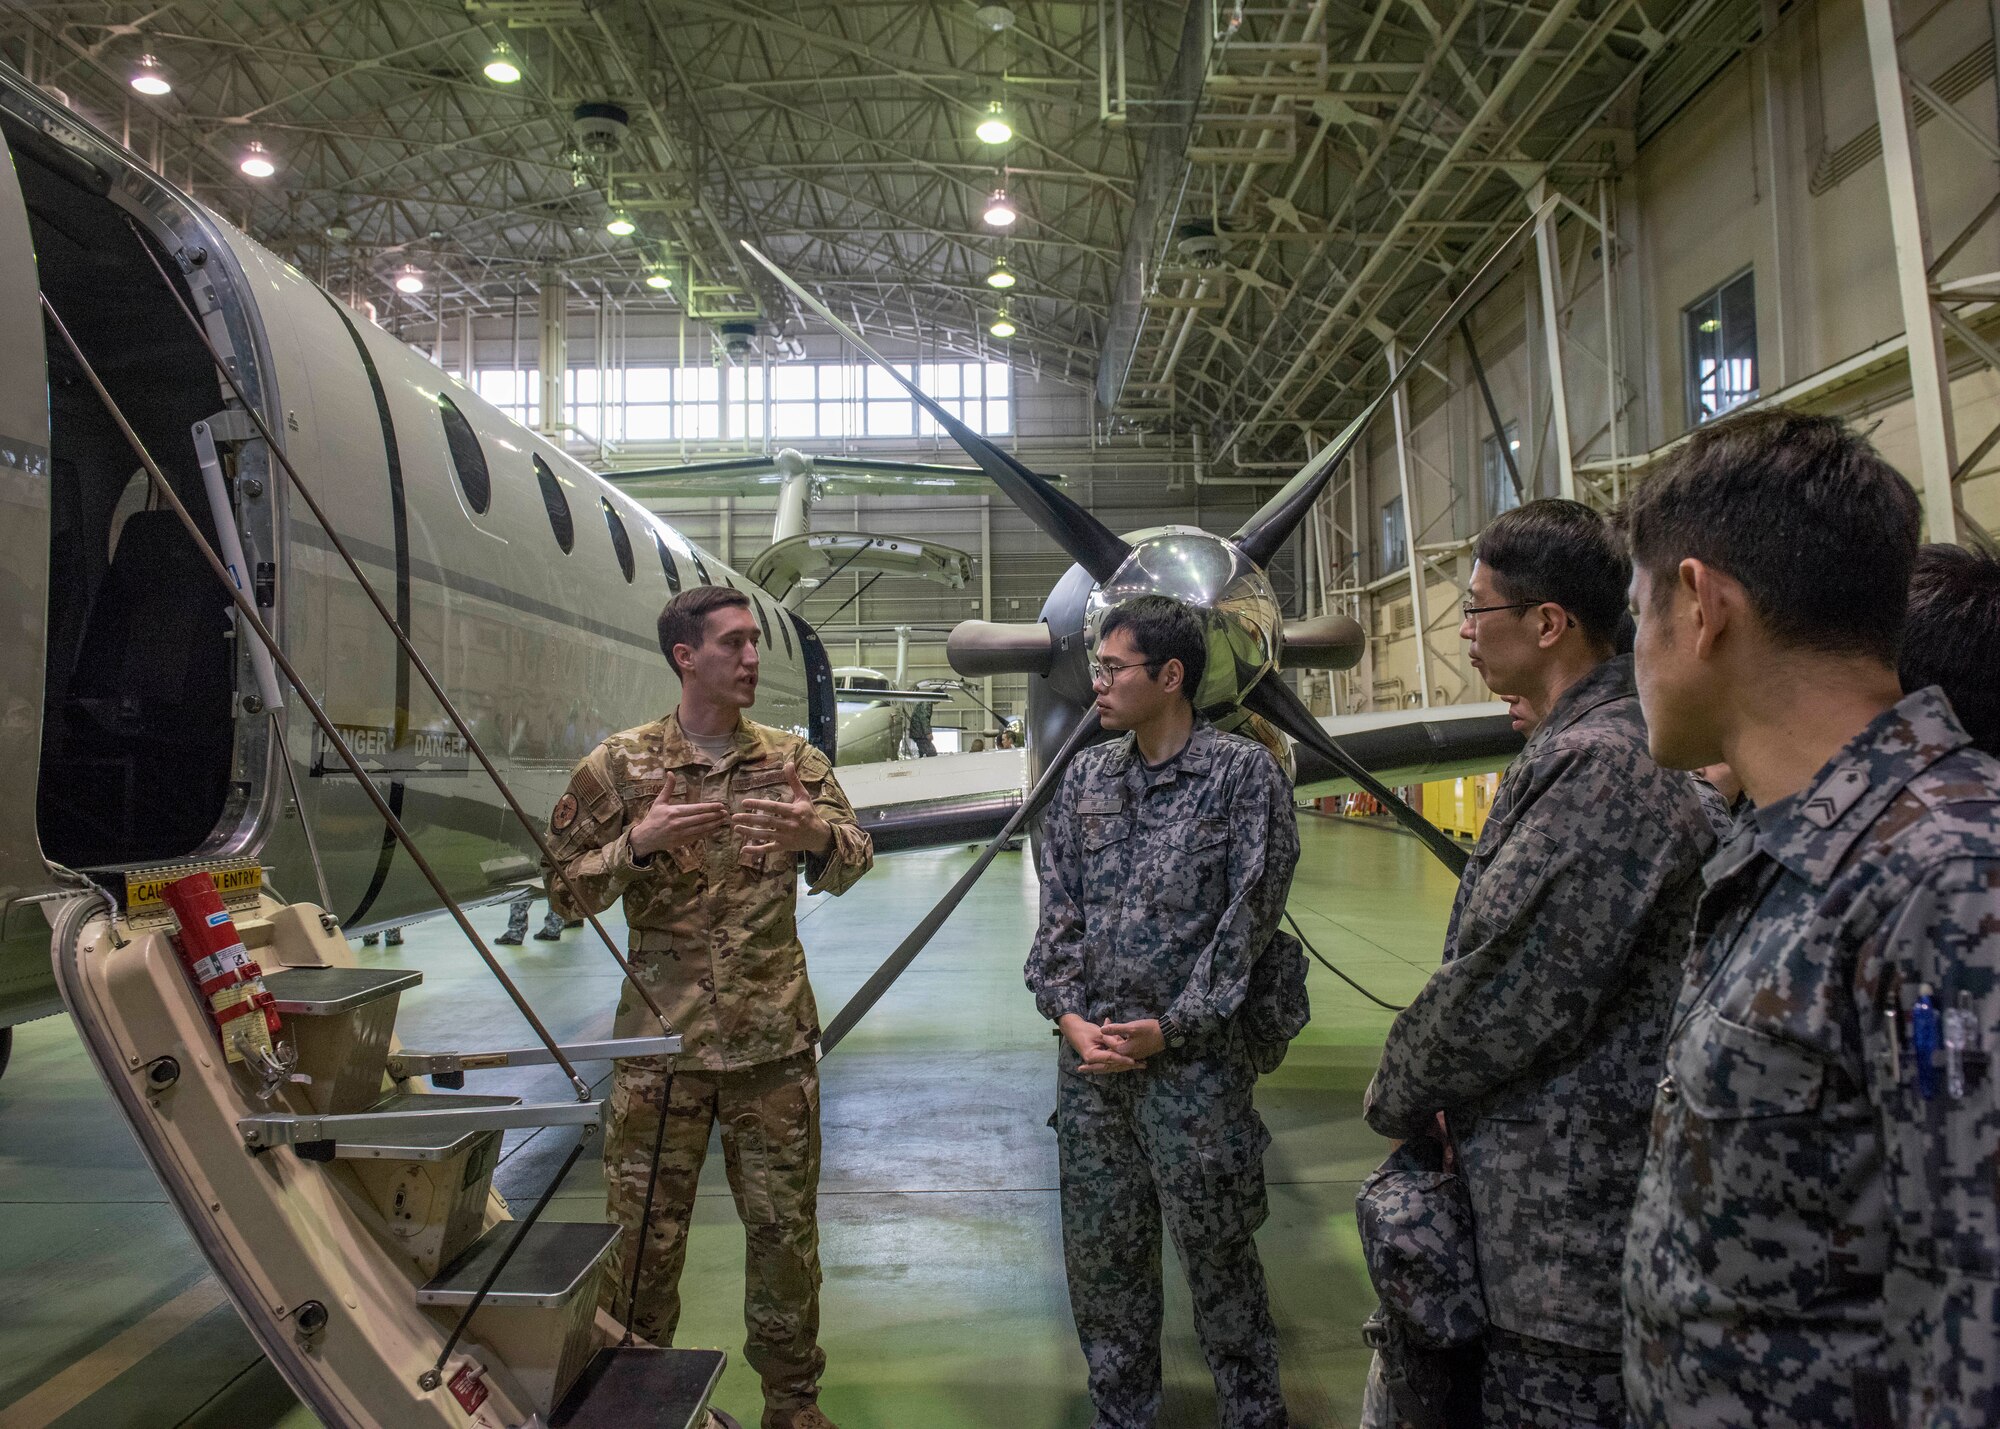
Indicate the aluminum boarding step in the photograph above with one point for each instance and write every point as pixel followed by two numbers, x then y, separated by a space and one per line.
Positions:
pixel 340 1020
pixel 642 1388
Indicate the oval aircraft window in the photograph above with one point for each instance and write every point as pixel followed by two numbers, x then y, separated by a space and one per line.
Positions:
pixel 467 459
pixel 699 569
pixel 785 629
pixel 667 565
pixel 764 618
pixel 558 505
pixel 620 542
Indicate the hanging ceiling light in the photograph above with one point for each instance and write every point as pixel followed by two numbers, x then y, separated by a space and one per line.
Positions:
pixel 1002 325
pixel 501 66
pixel 658 281
pixel 409 279
pixel 257 161
pixel 999 212
pixel 994 128
pixel 150 77
pixel 1002 276
pixel 620 226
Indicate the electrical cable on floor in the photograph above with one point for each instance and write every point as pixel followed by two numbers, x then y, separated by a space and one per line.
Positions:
pixel 1300 934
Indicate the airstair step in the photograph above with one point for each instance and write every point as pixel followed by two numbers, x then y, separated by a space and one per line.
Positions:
pixel 420 1145
pixel 641 1388
pixel 555 1260
pixel 327 992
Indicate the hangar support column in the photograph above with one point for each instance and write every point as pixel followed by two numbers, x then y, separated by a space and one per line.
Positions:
pixel 553 350
pixel 1930 391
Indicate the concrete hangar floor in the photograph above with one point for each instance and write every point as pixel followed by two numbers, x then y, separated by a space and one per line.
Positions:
pixel 944 1304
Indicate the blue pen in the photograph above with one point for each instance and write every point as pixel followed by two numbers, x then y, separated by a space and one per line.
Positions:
pixel 1925 1038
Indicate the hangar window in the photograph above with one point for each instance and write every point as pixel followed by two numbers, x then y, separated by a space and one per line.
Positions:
pixel 517 391
pixel 467 459
pixel 620 542
pixel 1394 552
pixel 558 506
pixel 667 565
pixel 1494 477
pixel 1720 332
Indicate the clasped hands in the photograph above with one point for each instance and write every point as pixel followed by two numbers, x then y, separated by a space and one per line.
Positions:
pixel 767 825
pixel 1112 1046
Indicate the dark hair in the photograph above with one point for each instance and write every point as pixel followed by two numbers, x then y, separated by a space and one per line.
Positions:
pixel 1952 637
pixel 1561 551
pixel 686 616
pixel 1803 511
pixel 1163 629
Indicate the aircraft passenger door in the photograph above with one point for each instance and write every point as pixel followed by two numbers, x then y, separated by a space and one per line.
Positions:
pixel 24 543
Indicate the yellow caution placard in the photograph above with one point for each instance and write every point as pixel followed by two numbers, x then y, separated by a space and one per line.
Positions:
pixel 239 881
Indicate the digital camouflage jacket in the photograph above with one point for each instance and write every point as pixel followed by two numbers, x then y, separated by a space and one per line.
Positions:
pixel 713 932
pixel 1540 1036
pixel 1161 886
pixel 1815 1240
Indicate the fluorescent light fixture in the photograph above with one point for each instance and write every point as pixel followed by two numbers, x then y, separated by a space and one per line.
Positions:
pixel 994 128
pixel 501 67
pixel 257 161
pixel 1001 277
pixel 409 280
pixel 150 78
pixel 999 212
pixel 1002 325
pixel 619 226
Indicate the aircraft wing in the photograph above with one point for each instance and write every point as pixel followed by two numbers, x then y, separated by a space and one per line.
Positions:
pixel 924 803
pixel 815 556
pixel 928 803
pixel 1414 746
pixel 763 475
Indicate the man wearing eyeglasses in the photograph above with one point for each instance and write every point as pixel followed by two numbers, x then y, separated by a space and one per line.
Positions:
pixel 1540 1038
pixel 1165 861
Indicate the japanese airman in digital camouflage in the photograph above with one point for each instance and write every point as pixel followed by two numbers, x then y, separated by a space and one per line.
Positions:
pixel 700 822
pixel 1165 860
pixel 1816 1240
pixel 1539 1038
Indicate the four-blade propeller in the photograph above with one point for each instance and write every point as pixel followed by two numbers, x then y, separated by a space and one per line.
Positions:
pixel 1101 552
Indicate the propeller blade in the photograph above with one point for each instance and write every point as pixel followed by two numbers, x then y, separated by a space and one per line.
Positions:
pixel 1088 541
pixel 906 952
pixel 1275 521
pixel 1274 700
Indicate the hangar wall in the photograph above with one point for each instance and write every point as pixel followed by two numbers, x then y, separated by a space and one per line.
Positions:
pixel 1774 169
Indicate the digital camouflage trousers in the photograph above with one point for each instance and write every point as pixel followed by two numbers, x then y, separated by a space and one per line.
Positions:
pixel 769 1116
pixel 1179 1142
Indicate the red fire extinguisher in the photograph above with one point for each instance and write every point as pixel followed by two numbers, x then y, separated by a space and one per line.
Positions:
pixel 222 970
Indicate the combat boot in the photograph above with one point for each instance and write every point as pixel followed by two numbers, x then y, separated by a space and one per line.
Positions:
pixel 517 926
pixel 393 938
pixel 804 1416
pixel 551 929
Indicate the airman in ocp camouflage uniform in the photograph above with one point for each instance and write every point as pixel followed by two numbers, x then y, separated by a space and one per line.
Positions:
pixel 1816 1240
pixel 715 942
pixel 1161 886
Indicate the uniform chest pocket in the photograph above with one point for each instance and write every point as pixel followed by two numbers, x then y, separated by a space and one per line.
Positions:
pixel 1731 1072
pixel 1753 1165
pixel 1199 877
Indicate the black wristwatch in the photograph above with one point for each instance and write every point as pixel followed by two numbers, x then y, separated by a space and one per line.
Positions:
pixel 1172 1033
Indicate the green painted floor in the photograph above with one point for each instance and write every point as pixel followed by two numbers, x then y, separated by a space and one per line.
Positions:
pixel 944 1303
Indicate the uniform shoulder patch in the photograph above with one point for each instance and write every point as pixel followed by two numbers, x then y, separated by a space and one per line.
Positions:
pixel 565 813
pixel 587 787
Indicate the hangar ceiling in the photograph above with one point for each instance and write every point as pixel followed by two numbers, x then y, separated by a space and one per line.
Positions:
pixel 1223 212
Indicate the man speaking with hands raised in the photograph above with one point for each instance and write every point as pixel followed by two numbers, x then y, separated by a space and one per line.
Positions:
pixel 699 821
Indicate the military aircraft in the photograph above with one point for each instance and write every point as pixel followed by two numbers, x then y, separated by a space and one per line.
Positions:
pixel 290 607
